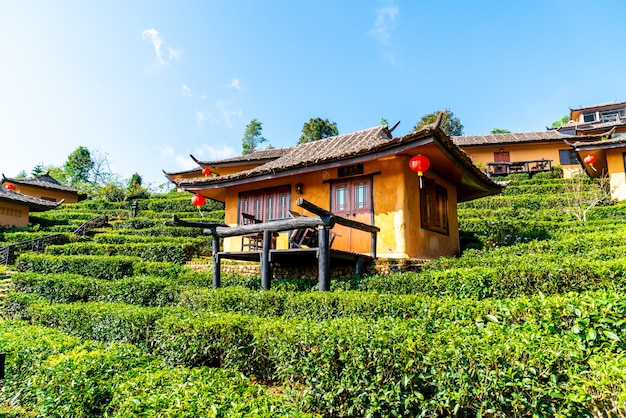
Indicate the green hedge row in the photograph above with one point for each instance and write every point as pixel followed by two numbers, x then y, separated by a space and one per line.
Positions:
pixel 177 253
pixel 570 274
pixel 116 238
pixel 52 374
pixel 516 357
pixel 102 267
pixel 67 288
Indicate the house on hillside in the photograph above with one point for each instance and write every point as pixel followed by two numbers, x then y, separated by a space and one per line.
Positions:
pixel 607 120
pixel 16 207
pixel 600 134
pixel 362 176
pixel 608 160
pixel 44 187
pixel 526 152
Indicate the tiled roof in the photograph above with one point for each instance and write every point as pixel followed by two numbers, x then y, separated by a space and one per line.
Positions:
pixel 312 153
pixel 33 203
pixel 44 182
pixel 609 104
pixel 602 143
pixel 262 155
pixel 512 138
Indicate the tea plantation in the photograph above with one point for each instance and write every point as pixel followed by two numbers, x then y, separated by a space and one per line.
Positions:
pixel 529 321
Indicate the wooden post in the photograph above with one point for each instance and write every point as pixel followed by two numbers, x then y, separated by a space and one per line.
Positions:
pixel 266 268
pixel 215 243
pixel 358 271
pixel 323 259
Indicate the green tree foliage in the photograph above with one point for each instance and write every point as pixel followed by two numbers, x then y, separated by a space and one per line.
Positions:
pixel 500 131
pixel 450 123
pixel 384 121
pixel 78 166
pixel 316 129
pixel 252 137
pixel 38 170
pixel 560 122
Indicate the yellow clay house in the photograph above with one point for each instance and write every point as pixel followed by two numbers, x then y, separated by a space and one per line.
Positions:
pixel 16 207
pixel 361 176
pixel 44 187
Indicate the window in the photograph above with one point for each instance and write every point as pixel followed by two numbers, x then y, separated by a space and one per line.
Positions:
pixel 567 157
pixel 589 117
pixel 434 206
pixel 266 205
pixel 612 115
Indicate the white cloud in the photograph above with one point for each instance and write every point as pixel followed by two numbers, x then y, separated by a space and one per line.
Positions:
pixel 204 152
pixel 175 54
pixel 186 90
pixel 235 83
pixel 211 153
pixel 228 114
pixel 384 23
pixel 155 38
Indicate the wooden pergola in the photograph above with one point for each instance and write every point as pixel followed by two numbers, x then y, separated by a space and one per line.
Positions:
pixel 322 222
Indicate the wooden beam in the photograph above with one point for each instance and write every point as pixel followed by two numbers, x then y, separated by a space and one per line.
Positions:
pixel 205 225
pixel 273 226
pixel 323 259
pixel 266 267
pixel 304 204
pixel 215 243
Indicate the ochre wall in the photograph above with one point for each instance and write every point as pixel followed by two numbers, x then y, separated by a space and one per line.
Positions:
pixel 51 195
pixel 396 209
pixel 523 152
pixel 13 215
pixel 615 162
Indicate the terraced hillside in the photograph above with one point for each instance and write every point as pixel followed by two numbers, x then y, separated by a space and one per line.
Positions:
pixel 528 321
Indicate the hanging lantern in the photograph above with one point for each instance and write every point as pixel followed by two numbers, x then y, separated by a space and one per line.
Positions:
pixel 590 160
pixel 10 186
pixel 206 171
pixel 419 164
pixel 198 200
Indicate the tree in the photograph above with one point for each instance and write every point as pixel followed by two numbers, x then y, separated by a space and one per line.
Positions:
pixel 583 193
pixel 38 170
pixel 450 124
pixel 252 137
pixel 316 129
pixel 500 131
pixel 77 166
pixel 383 121
pixel 560 122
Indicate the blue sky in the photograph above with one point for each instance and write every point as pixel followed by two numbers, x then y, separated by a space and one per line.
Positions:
pixel 147 83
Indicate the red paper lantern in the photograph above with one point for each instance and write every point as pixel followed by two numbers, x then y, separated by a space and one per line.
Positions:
pixel 590 160
pixel 198 200
pixel 10 186
pixel 419 164
pixel 206 171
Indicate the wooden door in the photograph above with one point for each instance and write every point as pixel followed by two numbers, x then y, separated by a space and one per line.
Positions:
pixel 352 199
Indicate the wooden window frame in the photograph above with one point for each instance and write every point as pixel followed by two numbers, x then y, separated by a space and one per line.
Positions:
pixel 570 159
pixel 266 204
pixel 434 207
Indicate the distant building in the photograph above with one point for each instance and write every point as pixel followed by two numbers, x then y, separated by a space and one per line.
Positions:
pixel 525 152
pixel 15 207
pixel 45 187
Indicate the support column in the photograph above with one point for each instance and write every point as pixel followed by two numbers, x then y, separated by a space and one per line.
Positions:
pixel 266 268
pixel 359 267
pixel 323 259
pixel 215 243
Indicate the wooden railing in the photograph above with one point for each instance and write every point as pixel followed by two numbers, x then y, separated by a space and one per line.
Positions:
pixel 529 167
pixel 97 222
pixel 7 253
pixel 323 222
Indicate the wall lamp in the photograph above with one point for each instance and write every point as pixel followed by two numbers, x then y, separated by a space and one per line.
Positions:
pixel 299 188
